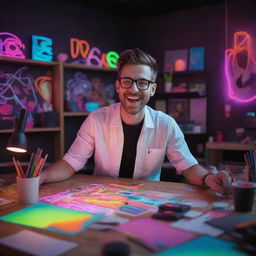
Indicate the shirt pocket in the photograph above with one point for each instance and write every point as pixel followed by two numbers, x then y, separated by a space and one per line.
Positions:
pixel 153 160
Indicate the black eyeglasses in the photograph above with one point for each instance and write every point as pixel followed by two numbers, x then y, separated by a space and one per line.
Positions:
pixel 142 84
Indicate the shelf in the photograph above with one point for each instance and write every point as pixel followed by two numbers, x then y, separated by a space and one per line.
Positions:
pixel 230 146
pixel 166 95
pixel 75 114
pixel 46 129
pixel 82 66
pixel 194 133
pixel 28 62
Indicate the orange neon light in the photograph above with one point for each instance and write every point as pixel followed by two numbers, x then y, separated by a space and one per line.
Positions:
pixel 78 46
pixel 104 60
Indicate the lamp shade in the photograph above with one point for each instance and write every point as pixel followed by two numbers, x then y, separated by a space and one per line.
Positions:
pixel 18 141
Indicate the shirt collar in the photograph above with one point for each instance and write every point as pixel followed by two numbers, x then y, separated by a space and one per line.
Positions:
pixel 115 117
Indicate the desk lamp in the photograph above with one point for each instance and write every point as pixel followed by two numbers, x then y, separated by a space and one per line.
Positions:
pixel 18 141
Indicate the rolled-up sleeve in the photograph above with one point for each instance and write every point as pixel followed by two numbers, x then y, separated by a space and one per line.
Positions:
pixel 178 152
pixel 83 146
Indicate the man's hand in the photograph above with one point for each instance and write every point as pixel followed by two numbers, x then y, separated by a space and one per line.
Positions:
pixel 219 182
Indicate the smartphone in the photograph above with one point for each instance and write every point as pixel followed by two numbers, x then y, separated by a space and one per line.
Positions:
pixel 174 207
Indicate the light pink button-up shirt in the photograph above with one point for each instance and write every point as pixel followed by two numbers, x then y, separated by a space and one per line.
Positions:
pixel 102 133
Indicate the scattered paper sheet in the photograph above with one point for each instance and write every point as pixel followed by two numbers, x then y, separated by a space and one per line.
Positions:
pixel 37 244
pixel 204 245
pixel 52 218
pixel 198 225
pixel 155 234
pixel 4 201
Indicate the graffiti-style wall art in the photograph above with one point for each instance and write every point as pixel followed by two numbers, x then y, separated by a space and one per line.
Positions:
pixel 240 69
pixel 20 89
pixel 87 93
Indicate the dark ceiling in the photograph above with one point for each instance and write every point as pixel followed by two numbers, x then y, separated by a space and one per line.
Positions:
pixel 143 7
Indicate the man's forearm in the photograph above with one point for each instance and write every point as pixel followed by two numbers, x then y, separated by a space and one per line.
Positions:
pixel 194 174
pixel 58 171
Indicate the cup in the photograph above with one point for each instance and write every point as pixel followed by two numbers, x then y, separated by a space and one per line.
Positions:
pixel 28 190
pixel 243 194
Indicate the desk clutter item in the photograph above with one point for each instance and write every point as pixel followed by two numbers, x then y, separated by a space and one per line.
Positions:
pixel 116 249
pixel 154 234
pixel 37 244
pixel 228 223
pixel 107 199
pixel 52 218
pixel 28 190
pixel 35 166
pixel 243 194
pixel 204 245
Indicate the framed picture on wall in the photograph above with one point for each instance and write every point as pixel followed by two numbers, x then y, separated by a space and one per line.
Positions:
pixel 196 58
pixel 179 110
pixel 175 60
pixel 161 105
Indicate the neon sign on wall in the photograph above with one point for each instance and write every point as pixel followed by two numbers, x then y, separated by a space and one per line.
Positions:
pixel 11 46
pixel 92 56
pixel 41 48
pixel 240 69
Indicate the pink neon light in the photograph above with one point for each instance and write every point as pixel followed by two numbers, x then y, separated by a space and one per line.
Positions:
pixel 240 74
pixel 11 46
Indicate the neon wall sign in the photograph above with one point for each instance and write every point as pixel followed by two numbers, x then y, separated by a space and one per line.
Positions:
pixel 41 48
pixel 92 56
pixel 240 69
pixel 11 46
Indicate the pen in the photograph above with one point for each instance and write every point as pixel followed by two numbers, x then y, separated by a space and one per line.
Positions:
pixel 230 173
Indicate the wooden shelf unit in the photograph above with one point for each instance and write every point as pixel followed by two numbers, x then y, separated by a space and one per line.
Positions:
pixel 214 151
pixel 58 70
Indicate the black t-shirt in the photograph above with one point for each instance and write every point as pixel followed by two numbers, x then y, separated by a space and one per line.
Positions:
pixel 131 136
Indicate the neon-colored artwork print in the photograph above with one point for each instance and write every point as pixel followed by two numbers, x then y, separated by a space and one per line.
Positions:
pixel 53 218
pixel 105 199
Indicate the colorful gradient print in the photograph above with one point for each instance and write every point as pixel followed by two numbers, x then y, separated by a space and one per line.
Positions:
pixel 53 218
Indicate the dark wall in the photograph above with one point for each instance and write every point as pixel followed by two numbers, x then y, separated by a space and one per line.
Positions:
pixel 61 20
pixel 203 26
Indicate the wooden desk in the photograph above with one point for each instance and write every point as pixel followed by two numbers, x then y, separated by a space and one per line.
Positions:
pixel 90 241
pixel 214 151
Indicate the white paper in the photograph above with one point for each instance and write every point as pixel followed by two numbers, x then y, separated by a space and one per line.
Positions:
pixel 37 244
pixel 198 225
pixel 4 201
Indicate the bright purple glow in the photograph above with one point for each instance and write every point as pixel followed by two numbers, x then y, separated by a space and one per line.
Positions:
pixel 11 46
pixel 93 58
pixel 240 69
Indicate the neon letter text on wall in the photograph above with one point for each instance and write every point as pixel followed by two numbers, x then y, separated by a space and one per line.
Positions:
pixel 41 48
pixel 11 46
pixel 240 69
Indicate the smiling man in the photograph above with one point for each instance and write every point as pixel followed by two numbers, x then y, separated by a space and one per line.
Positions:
pixel 130 139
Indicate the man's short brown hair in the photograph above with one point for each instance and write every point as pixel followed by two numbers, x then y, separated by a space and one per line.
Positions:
pixel 137 57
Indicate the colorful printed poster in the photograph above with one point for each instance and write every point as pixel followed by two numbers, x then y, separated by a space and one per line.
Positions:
pixel 196 58
pixel 175 60
pixel 52 218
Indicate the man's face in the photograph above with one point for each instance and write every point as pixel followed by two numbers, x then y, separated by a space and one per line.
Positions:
pixel 132 99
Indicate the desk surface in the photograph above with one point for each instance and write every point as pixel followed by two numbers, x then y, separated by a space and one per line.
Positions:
pixel 90 241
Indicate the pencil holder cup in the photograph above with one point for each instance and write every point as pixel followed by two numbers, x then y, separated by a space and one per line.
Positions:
pixel 28 190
